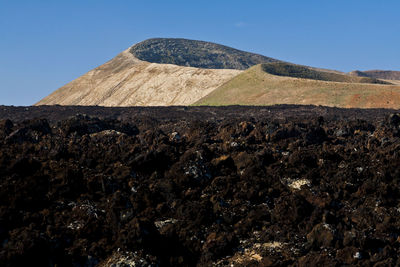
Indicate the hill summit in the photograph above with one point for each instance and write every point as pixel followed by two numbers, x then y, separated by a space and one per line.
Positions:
pixel 135 78
pixel 199 54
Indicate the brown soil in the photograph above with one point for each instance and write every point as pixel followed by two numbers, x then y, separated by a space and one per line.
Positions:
pixel 187 186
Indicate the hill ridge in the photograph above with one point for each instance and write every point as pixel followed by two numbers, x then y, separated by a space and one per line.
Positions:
pixel 305 72
pixel 378 74
pixel 194 53
pixel 255 86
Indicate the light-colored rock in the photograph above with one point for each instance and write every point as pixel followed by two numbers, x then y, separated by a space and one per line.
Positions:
pixel 128 81
pixel 295 184
pixel 252 254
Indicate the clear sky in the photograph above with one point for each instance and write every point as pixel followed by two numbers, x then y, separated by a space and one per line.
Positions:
pixel 45 44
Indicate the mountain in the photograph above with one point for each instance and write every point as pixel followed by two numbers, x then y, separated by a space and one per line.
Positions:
pixel 166 71
pixel 378 74
pixel 157 72
pixel 199 54
pixel 282 83
pixel 128 81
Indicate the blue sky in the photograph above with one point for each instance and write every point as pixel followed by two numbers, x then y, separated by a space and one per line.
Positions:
pixel 45 44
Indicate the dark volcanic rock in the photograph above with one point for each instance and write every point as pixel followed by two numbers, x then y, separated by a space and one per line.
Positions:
pixel 192 53
pixel 5 127
pixel 147 187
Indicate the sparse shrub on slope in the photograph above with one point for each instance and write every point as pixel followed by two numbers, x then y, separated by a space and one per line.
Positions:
pixel 378 74
pixel 298 71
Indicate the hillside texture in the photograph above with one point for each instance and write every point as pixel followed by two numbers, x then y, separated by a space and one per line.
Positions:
pixel 298 71
pixel 257 87
pixel 197 54
pixel 128 81
pixel 378 74
pixel 199 186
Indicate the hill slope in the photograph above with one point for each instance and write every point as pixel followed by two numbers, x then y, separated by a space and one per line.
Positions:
pixel 128 81
pixel 163 72
pixel 258 87
pixel 197 54
pixel 378 74
pixel 304 72
pixel 157 72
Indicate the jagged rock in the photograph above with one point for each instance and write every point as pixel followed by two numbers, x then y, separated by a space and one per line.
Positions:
pixel 321 236
pixel 87 190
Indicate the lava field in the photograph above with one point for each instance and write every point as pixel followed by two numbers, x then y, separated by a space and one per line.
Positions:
pixel 199 186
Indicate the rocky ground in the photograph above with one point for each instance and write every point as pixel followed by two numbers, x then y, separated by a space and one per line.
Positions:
pixel 229 186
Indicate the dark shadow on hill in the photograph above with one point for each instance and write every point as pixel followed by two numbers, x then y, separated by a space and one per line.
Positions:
pixel 298 71
pixel 197 54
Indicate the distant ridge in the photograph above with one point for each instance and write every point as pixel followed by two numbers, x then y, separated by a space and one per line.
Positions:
pixel 305 72
pixel 378 74
pixel 199 54
pixel 276 83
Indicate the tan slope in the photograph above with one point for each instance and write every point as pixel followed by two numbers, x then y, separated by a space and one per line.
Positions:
pixel 256 87
pixel 128 81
